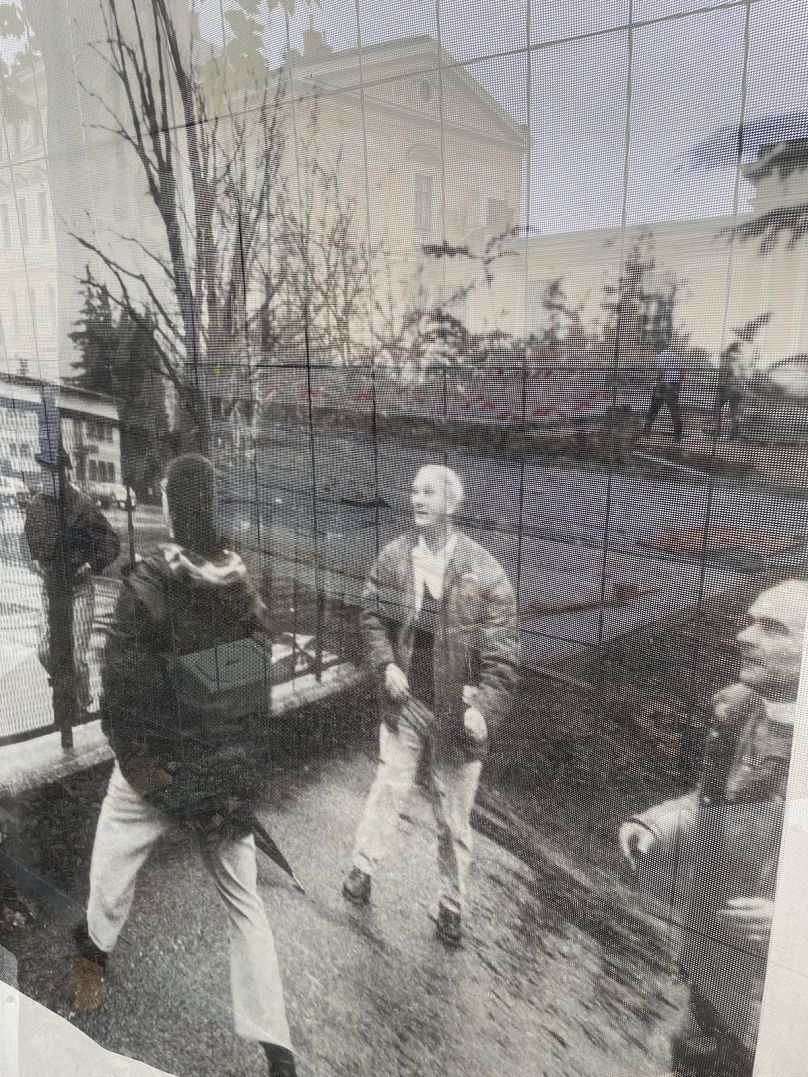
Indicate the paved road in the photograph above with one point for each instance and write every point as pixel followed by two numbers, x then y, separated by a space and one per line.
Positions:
pixel 565 535
pixel 547 985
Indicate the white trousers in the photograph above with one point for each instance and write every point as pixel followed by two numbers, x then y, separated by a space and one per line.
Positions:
pixel 128 828
pixel 453 789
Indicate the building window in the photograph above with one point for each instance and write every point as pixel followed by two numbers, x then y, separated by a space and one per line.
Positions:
pixel 422 205
pixel 98 431
pixel 22 210
pixel 15 313
pixel 44 217
pixel 32 311
pixel 5 227
pixel 495 213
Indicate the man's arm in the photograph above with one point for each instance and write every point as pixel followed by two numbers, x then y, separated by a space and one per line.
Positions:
pixel 98 539
pixel 498 653
pixel 372 621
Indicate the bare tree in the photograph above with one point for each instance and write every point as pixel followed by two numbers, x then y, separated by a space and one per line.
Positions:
pixel 211 177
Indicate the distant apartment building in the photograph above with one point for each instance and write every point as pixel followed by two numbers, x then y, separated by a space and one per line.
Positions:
pixel 90 432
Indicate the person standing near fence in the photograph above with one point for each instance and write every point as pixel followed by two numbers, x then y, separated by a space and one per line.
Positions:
pixel 441 630
pixel 176 764
pixel 66 563
pixel 667 388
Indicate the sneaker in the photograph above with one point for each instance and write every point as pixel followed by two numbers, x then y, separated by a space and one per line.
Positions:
pixel 356 887
pixel 449 928
pixel 281 1060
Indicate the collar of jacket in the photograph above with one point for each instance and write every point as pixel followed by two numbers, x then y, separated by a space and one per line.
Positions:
pixel 458 566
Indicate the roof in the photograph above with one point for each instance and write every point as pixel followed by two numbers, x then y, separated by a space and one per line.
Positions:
pixel 35 385
pixel 356 69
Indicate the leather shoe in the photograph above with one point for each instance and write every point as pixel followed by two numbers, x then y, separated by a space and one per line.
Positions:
pixel 449 929
pixel 281 1060
pixel 356 887
pixel 85 987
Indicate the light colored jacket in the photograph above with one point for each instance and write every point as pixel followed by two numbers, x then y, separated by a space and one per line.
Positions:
pixel 476 644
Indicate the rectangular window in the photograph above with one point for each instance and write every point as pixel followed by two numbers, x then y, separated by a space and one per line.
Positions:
pixel 422 206
pixel 32 311
pixel 44 216
pixel 495 213
pixel 5 227
pixel 22 211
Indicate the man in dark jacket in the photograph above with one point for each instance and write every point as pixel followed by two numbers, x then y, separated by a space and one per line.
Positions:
pixel 442 638
pixel 713 852
pixel 90 545
pixel 177 762
pixel 729 390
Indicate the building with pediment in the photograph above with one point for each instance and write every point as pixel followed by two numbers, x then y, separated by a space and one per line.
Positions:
pixel 426 156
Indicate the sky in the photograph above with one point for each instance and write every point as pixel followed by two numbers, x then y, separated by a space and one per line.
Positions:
pixel 572 70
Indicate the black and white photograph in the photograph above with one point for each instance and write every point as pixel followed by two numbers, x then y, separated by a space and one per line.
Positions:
pixel 403 538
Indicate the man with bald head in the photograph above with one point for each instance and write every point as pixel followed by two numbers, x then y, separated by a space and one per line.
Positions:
pixel 713 852
pixel 442 641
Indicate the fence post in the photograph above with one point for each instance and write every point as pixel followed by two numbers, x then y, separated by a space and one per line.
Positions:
pixel 130 526
pixel 59 575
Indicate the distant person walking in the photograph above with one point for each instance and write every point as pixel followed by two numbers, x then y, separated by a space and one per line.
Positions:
pixel 729 391
pixel 89 546
pixel 442 640
pixel 668 384
pixel 177 761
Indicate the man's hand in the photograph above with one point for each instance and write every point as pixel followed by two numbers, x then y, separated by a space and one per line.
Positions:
pixel 753 916
pixel 475 726
pixel 635 840
pixel 146 776
pixel 396 683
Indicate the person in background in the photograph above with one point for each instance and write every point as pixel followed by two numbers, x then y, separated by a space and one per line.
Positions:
pixel 668 385
pixel 713 852
pixel 90 545
pixel 441 630
pixel 186 597
pixel 729 391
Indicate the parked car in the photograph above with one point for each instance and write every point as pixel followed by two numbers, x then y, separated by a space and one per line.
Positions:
pixel 13 489
pixel 111 494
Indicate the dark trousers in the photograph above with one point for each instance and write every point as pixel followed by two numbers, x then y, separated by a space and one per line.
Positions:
pixel 666 395
pixel 730 399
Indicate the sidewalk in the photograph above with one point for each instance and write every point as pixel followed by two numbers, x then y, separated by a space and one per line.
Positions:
pixel 541 986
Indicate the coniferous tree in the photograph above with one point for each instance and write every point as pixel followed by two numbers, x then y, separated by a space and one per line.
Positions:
pixel 118 357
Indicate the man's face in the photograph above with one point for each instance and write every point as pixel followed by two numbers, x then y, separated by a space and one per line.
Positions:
pixel 431 501
pixel 771 646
